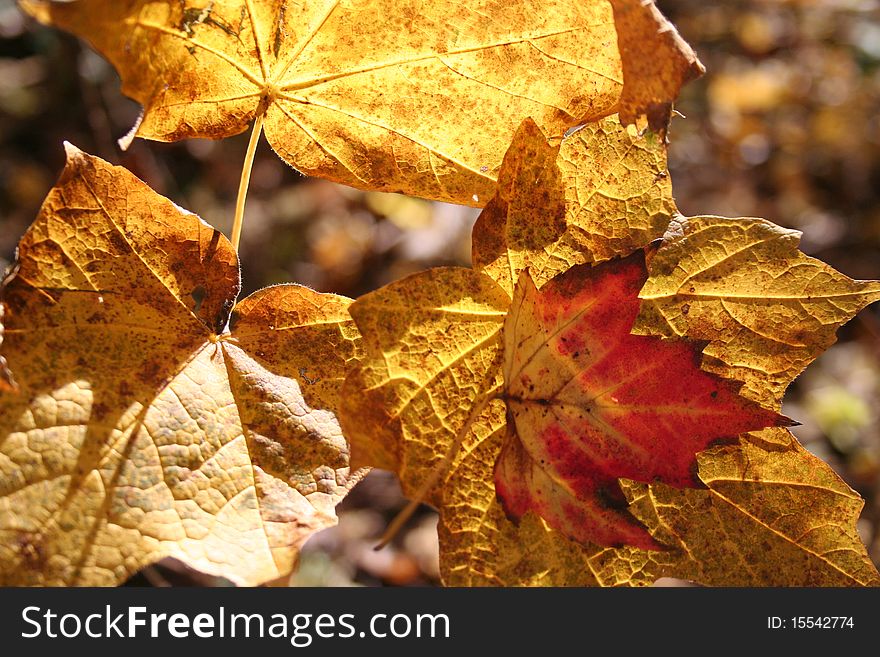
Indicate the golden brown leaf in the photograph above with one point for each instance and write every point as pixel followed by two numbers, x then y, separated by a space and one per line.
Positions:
pixel 603 192
pixel 435 341
pixel 767 309
pixel 770 517
pixel 442 350
pixel 480 546
pixel 141 428
pixel 651 80
pixel 416 97
pixel 430 402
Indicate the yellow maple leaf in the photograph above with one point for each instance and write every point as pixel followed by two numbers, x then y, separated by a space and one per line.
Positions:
pixel 140 427
pixel 758 541
pixel 604 191
pixel 432 400
pixel 767 309
pixel 420 98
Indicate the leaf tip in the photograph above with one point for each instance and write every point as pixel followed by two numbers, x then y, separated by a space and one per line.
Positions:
pixel 71 151
pixel 126 140
pixel 74 160
pixel 529 126
pixel 784 421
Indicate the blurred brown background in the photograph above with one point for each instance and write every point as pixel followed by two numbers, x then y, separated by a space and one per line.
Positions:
pixel 785 125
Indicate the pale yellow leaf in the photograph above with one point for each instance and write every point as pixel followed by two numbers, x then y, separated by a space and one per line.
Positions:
pixel 141 428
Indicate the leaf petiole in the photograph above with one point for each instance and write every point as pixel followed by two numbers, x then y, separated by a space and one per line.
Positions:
pixel 439 470
pixel 238 221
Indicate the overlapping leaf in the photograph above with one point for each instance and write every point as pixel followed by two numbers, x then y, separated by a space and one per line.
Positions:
pixel 767 309
pixel 589 403
pixel 438 330
pixel 604 192
pixel 421 98
pixel 479 545
pixel 650 77
pixel 431 402
pixel 140 427
pixel 810 540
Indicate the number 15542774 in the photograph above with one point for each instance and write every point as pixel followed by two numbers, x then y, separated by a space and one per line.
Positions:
pixel 810 622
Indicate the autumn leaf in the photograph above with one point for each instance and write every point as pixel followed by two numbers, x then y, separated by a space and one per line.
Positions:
pixel 766 309
pixel 442 397
pixel 588 403
pixel 421 98
pixel 462 311
pixel 651 78
pixel 781 517
pixel 480 545
pixel 142 428
pixel 604 192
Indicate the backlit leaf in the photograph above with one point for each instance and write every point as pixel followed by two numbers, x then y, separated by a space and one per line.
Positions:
pixel 435 338
pixel 141 427
pixel 601 193
pixel 480 545
pixel 766 309
pixel 781 517
pixel 591 403
pixel 393 95
pixel 652 79
pixel 443 380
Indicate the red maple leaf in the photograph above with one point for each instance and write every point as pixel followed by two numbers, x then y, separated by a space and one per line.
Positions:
pixel 589 403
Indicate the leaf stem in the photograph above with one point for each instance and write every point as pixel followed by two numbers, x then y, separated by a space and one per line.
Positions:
pixel 238 221
pixel 439 470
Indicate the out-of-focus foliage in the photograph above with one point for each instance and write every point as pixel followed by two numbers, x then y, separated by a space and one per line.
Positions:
pixel 785 125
